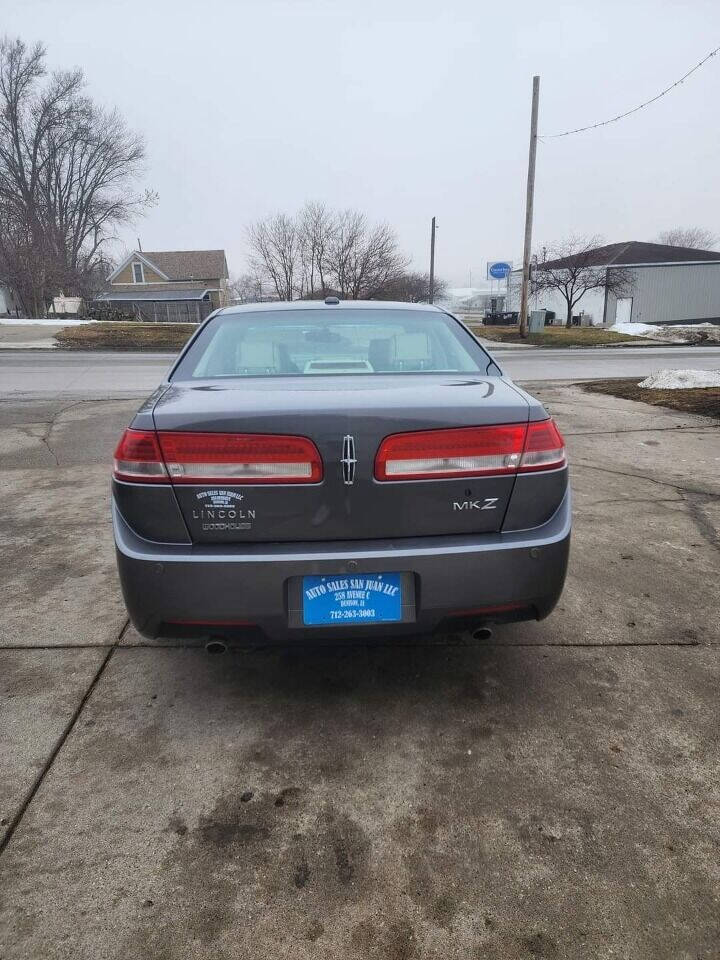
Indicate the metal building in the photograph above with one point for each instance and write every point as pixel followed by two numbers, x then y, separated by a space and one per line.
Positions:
pixel 669 285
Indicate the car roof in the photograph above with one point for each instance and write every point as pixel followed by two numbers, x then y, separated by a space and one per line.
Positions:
pixel 319 304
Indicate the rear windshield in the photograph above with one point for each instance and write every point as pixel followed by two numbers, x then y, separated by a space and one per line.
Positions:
pixel 331 341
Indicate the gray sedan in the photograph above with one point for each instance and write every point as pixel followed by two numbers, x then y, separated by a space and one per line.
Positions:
pixel 338 469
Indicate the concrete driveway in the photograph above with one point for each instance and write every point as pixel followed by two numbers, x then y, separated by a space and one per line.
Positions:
pixel 552 793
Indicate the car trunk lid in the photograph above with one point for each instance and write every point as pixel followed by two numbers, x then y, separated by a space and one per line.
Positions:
pixel 347 423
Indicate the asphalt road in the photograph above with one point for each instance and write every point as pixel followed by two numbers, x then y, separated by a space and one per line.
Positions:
pixel 551 793
pixel 55 373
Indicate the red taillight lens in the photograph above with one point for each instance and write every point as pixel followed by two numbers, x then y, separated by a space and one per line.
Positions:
pixel 471 452
pixel 138 458
pixel 544 447
pixel 239 458
pixel 465 452
pixel 143 456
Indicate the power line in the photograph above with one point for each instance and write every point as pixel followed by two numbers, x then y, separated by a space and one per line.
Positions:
pixel 621 116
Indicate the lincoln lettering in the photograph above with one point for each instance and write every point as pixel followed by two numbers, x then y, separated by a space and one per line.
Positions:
pixel 223 513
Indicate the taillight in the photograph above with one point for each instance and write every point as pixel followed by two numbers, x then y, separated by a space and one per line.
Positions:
pixel 544 447
pixel 470 452
pixel 138 458
pixel 239 458
pixel 464 452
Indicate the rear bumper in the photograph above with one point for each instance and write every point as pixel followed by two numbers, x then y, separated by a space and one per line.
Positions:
pixel 518 575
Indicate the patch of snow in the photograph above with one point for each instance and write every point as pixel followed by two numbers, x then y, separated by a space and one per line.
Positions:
pixel 634 329
pixel 681 379
pixel 672 333
pixel 45 321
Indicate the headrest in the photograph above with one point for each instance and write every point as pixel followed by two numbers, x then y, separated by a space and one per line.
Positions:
pixel 411 346
pixel 255 355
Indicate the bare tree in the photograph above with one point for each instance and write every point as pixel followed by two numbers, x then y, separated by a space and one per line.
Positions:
pixel 315 228
pixel 319 251
pixel 573 270
pixel 694 238
pixel 414 288
pixel 67 168
pixel 93 279
pixel 344 241
pixel 376 263
pixel 247 288
pixel 361 261
pixel 275 247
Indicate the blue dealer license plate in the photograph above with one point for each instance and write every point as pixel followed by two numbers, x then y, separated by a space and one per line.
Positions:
pixel 362 598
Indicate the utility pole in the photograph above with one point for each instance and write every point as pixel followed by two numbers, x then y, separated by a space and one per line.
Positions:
pixel 529 201
pixel 432 260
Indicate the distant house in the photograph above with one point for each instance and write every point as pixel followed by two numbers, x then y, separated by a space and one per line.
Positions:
pixel 669 285
pixel 169 285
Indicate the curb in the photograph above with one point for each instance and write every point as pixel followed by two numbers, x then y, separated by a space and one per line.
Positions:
pixel 28 345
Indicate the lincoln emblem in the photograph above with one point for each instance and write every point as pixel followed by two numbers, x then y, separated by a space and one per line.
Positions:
pixel 348 460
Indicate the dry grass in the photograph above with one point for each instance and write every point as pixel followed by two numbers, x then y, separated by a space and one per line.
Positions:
pixel 701 400
pixel 116 335
pixel 553 336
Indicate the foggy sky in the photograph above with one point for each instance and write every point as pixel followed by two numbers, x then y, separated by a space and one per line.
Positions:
pixel 403 109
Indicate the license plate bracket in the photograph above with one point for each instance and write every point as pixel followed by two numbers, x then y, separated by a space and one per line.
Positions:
pixel 351 599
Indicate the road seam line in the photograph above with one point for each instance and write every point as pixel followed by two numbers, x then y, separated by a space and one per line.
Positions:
pixel 436 643
pixel 432 643
pixel 69 726
pixel 575 464
pixel 610 433
pixel 56 646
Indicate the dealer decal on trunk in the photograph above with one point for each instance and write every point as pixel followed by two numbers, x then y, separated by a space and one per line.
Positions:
pixel 221 510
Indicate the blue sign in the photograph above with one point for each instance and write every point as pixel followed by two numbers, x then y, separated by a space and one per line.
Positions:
pixel 343 599
pixel 499 269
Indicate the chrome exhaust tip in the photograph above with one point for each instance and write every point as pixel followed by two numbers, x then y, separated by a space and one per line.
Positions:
pixel 482 633
pixel 215 646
